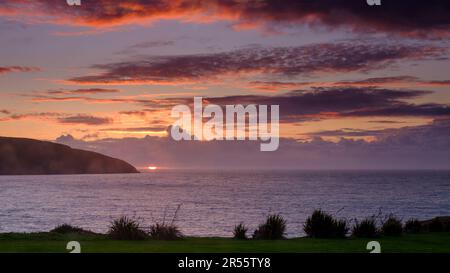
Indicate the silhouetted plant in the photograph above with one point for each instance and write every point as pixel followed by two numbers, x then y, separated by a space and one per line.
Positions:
pixel 436 225
pixel 273 229
pixel 367 228
pixel 126 228
pixel 341 229
pixel 240 232
pixel 392 226
pixel 165 232
pixel 66 229
pixel 322 225
pixel 412 226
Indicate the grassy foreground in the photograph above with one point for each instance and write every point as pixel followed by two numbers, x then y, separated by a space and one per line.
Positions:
pixel 51 242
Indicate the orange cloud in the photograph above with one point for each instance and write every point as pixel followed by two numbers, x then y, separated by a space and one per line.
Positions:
pixel 430 19
pixel 11 69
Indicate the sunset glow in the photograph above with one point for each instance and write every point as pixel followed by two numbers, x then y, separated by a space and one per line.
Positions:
pixel 121 67
pixel 245 126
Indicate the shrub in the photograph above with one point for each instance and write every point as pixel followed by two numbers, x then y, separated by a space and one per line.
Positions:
pixel 126 228
pixel 413 226
pixel 273 229
pixel 367 228
pixel 165 232
pixel 436 225
pixel 392 226
pixel 240 232
pixel 322 225
pixel 341 229
pixel 66 229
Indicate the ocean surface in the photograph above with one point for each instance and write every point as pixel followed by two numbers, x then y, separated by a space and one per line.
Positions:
pixel 212 202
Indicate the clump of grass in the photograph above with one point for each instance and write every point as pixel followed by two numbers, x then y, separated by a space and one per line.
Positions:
pixel 341 229
pixel 240 232
pixel 412 226
pixel 322 225
pixel 67 229
pixel 166 231
pixel 392 226
pixel 162 231
pixel 367 228
pixel 125 228
pixel 273 229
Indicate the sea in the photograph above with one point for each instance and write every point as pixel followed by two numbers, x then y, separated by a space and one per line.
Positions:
pixel 211 203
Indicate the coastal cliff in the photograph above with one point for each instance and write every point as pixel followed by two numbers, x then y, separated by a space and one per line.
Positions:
pixel 20 156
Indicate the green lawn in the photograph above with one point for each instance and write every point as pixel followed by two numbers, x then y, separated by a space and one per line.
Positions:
pixel 50 242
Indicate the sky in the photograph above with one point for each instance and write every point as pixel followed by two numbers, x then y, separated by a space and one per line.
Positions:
pixel 351 79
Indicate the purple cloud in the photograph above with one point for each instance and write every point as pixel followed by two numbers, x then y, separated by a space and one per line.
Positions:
pixel 279 61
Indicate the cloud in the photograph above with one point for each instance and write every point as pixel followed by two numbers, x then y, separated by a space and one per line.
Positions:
pixel 278 61
pixel 351 132
pixel 43 115
pixel 393 81
pixel 5 112
pixel 386 121
pixel 338 102
pixel 63 118
pixel 85 120
pixel 396 80
pixel 137 129
pixel 83 91
pixel 301 105
pixel 429 19
pixel 11 69
pixel 44 98
pixel 145 45
pixel 419 147
pixel 403 110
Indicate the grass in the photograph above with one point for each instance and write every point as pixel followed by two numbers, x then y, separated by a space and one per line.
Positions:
pixel 52 242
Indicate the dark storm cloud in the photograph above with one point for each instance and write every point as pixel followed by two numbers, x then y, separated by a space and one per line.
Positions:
pixel 406 17
pixel 280 61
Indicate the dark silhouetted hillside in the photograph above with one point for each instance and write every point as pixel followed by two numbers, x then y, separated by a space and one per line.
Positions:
pixel 20 156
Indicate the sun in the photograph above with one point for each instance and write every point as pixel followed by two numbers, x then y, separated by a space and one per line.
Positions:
pixel 152 168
